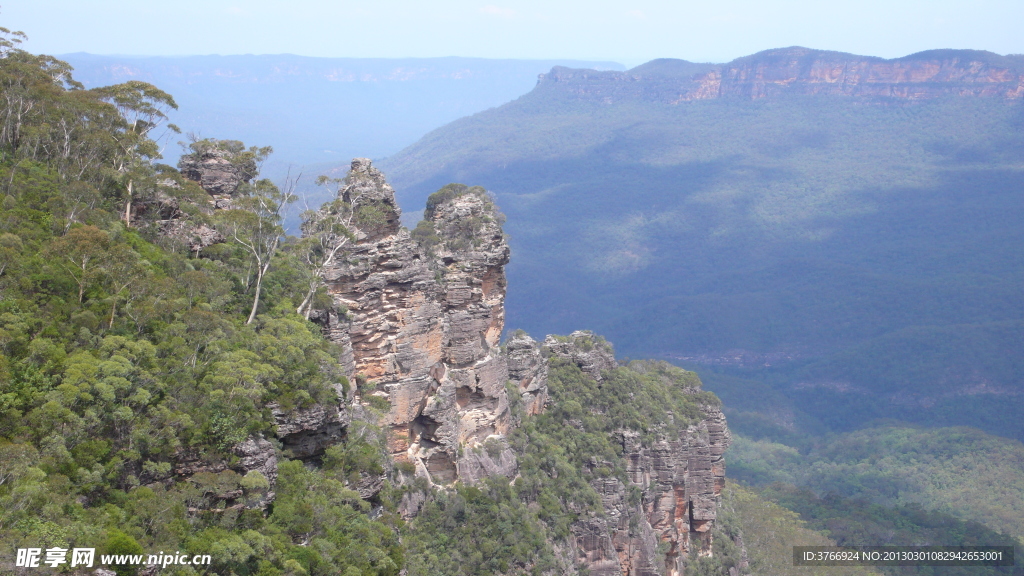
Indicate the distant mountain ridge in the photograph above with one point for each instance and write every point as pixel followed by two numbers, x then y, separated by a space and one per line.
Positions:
pixel 267 68
pixel 315 110
pixel 798 70
pixel 851 222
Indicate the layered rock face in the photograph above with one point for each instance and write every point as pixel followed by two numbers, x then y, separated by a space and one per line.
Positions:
pixel 528 370
pixel 926 75
pixel 679 481
pixel 421 327
pixel 419 321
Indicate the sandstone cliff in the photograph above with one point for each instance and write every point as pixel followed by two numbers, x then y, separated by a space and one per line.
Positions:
pixel 421 326
pixel 679 480
pixel 418 318
pixel 925 75
pixel 420 322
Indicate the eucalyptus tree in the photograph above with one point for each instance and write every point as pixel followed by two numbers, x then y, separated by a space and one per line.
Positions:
pixel 325 232
pixel 143 108
pixel 254 218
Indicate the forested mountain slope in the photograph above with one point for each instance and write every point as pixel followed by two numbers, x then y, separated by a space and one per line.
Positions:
pixel 841 228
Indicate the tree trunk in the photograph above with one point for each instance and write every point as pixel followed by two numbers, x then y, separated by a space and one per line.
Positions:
pixel 260 271
pixel 128 207
pixel 307 302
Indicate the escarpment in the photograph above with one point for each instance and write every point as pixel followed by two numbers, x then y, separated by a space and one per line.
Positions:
pixel 925 75
pixel 417 317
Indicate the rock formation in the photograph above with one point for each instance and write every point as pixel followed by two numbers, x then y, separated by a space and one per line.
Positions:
pixel 528 370
pixel 217 172
pixel 925 75
pixel 304 434
pixel 590 352
pixel 422 326
pixel 679 480
pixel 419 321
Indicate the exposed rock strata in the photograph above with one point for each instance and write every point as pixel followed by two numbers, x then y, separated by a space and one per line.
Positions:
pixel 420 330
pixel 213 169
pixel 254 454
pixel 925 75
pixel 679 480
pixel 592 353
pixel 528 370
pixel 164 211
pixel 219 175
pixel 422 326
pixel 306 433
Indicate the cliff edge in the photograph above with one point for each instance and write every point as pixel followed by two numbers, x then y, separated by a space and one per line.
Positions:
pixel 418 316
pixel 796 70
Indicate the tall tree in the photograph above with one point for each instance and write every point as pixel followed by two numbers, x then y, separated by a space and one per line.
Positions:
pixel 254 222
pixel 325 233
pixel 82 253
pixel 125 269
pixel 144 108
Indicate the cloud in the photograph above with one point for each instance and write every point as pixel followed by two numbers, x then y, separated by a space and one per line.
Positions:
pixel 493 10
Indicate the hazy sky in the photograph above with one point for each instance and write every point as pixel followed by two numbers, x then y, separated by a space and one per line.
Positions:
pixel 627 32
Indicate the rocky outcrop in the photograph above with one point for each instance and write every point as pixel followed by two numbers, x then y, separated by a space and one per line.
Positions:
pixel 307 432
pixel 528 370
pixel 195 236
pixel 304 434
pixel 669 506
pixel 418 320
pixel 680 482
pixel 163 209
pixel 592 353
pixel 219 167
pixel 255 454
pixel 217 172
pixel 796 70
pixel 423 324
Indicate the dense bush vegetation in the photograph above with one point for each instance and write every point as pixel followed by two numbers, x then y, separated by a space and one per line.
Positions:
pixel 958 471
pixel 855 522
pixel 768 532
pixel 122 351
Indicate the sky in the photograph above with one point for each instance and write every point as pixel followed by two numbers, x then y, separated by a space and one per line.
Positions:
pixel 627 32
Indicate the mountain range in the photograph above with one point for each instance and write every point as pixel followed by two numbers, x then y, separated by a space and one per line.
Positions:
pixel 315 110
pixel 840 232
